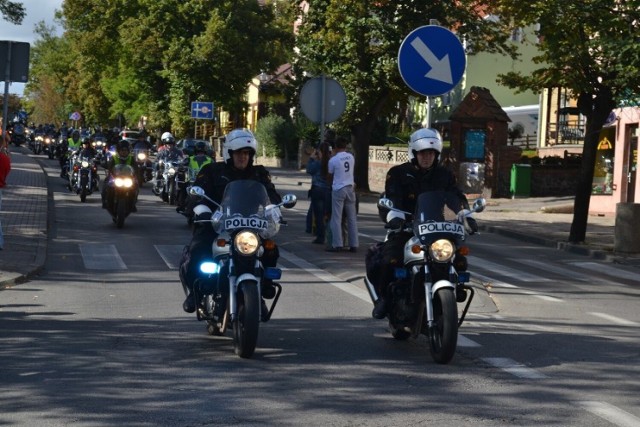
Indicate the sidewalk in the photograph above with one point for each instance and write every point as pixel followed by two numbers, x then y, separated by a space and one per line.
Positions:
pixel 25 209
pixel 24 219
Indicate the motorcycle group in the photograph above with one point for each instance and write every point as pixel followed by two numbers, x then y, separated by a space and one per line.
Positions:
pixel 416 277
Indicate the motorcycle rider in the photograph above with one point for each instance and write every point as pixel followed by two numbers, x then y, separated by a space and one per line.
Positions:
pixel 73 144
pixel 239 150
pixel 167 152
pixel 402 186
pixel 196 163
pixel 122 156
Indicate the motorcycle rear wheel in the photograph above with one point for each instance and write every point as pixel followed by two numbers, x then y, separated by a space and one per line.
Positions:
pixel 443 335
pixel 247 322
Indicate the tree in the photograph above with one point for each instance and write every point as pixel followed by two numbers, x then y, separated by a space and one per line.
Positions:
pixel 356 42
pixel 590 47
pixel 11 11
pixel 49 74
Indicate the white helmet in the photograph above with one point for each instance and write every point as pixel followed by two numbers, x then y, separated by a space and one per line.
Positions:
pixel 238 139
pixel 167 138
pixel 425 139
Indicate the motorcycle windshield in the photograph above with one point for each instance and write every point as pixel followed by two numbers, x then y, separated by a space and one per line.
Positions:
pixel 243 206
pixel 429 222
pixel 123 170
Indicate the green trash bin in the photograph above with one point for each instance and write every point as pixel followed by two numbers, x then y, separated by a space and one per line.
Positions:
pixel 520 181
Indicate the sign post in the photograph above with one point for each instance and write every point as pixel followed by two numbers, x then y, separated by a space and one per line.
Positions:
pixel 14 62
pixel 322 100
pixel 202 111
pixel 431 61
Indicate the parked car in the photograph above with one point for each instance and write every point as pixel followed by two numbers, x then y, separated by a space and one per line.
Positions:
pixel 187 145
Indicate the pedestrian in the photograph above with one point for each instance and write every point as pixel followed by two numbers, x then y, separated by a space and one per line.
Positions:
pixel 320 193
pixel 343 197
pixel 5 168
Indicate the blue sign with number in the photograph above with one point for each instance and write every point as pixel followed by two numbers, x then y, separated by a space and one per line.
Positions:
pixel 202 110
pixel 431 60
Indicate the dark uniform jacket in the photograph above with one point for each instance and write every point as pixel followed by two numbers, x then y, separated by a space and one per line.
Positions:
pixel 406 181
pixel 214 177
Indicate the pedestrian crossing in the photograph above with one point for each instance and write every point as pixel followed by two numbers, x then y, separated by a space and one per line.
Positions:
pixel 518 272
pixel 106 257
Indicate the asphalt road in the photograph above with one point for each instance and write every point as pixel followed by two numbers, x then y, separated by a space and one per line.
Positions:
pixel 100 338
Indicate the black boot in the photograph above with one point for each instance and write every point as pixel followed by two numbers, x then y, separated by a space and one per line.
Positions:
pixel 189 304
pixel 380 308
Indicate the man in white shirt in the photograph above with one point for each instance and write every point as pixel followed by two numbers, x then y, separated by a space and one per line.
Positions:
pixel 343 197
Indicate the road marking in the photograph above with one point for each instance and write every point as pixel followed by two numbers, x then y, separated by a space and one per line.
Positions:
pixel 514 368
pixel 98 256
pixel 615 319
pixel 608 270
pixel 505 271
pixel 466 342
pixel 611 413
pixel 498 284
pixel 326 277
pixel 170 254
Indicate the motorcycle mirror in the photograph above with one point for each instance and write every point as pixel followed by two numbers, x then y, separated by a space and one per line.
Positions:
pixel 479 204
pixel 385 203
pixel 196 191
pixel 289 200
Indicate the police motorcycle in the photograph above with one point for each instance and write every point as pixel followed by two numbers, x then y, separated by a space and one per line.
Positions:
pixel 125 193
pixel 433 278
pixel 228 289
pixel 84 176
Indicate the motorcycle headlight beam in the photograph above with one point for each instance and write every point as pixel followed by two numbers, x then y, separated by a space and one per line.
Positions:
pixel 442 250
pixel 246 243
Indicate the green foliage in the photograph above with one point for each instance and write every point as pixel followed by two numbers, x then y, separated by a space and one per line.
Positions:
pixel 154 57
pixel 277 137
pixel 11 11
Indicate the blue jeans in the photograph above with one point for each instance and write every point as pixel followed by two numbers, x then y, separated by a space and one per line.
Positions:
pixel 321 207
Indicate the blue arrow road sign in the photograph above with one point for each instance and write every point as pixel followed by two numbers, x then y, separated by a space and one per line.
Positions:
pixel 431 60
pixel 202 110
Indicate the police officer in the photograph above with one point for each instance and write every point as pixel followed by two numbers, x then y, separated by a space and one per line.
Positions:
pixel 239 150
pixel 402 186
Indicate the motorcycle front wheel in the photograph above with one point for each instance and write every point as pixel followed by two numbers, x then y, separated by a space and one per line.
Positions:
pixel 172 192
pixel 121 213
pixel 443 335
pixel 246 324
pixel 83 194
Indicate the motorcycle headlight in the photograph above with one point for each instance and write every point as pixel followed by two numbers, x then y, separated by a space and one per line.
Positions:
pixel 246 242
pixel 85 164
pixel 172 171
pixel 442 250
pixel 142 156
pixel 123 182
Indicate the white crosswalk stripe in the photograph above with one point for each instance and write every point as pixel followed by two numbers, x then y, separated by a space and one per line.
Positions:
pixel 170 254
pixel 98 256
